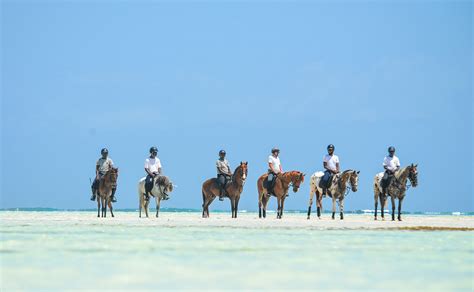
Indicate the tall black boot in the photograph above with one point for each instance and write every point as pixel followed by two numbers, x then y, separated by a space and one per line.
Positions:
pixel 221 194
pixel 114 200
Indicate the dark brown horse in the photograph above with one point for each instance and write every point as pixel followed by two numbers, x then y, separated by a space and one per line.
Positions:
pixel 280 190
pixel 211 189
pixel 104 194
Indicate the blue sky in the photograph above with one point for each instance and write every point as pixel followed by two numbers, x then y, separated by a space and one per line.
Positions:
pixel 195 77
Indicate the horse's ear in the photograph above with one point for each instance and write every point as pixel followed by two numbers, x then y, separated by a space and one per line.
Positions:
pixel 246 162
pixel 358 171
pixel 304 174
pixel 411 165
pixel 416 165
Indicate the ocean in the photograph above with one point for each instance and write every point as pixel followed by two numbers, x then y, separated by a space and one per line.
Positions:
pixel 57 250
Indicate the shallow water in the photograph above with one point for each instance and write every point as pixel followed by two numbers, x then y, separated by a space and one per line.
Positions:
pixel 57 250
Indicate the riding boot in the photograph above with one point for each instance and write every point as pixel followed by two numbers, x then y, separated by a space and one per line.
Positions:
pixel 324 192
pixel 221 195
pixel 114 200
pixel 147 196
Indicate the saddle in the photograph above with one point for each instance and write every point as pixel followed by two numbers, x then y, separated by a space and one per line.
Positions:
pixel 270 185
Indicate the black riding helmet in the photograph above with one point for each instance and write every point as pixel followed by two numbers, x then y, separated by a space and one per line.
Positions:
pixel 391 149
pixel 275 149
pixel 104 150
pixel 153 150
pixel 222 152
pixel 330 146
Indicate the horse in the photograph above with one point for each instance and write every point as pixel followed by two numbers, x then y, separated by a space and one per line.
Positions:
pixel 280 190
pixel 211 189
pixel 104 193
pixel 337 190
pixel 396 189
pixel 161 187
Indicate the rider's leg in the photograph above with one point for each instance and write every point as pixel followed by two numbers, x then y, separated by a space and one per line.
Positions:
pixel 221 183
pixel 148 186
pixel 114 200
pixel 94 189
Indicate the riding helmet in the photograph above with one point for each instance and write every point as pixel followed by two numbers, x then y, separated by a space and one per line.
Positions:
pixel 104 150
pixel 275 149
pixel 391 149
pixel 330 146
pixel 153 149
pixel 222 152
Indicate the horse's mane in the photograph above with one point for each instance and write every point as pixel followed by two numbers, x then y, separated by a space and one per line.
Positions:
pixel 163 180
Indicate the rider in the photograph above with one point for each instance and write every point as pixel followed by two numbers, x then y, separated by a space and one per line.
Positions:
pixel 331 166
pixel 274 168
pixel 103 165
pixel 224 173
pixel 153 169
pixel 391 164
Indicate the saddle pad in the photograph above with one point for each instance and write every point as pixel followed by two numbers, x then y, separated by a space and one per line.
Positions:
pixel 318 174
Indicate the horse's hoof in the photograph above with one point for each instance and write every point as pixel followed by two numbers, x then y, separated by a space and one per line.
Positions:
pixel 307 218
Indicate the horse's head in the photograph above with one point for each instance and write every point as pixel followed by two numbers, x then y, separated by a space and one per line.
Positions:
pixel 296 180
pixel 242 171
pixel 413 174
pixel 112 175
pixel 354 180
pixel 165 183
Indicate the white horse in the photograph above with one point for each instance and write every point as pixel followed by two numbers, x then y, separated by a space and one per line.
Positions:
pixel 161 187
pixel 337 190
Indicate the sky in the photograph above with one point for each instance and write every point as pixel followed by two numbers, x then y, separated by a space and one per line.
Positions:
pixel 196 77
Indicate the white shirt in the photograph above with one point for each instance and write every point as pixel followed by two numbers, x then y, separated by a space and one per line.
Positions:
pixel 104 164
pixel 391 162
pixel 275 163
pixel 331 161
pixel 152 164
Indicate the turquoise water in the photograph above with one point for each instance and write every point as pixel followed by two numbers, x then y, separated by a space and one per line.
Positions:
pixel 53 251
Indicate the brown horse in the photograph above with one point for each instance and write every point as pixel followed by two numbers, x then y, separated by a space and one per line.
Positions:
pixel 104 194
pixel 280 190
pixel 211 189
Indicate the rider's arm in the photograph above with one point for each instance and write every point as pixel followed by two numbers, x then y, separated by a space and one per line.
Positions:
pixel 337 167
pixel 270 166
pixel 281 169
pixel 159 170
pixel 97 170
pixel 325 165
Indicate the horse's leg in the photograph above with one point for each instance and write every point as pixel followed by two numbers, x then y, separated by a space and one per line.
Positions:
pixel 105 207
pixel 376 202
pixel 282 205
pixel 311 194
pixel 319 203
pixel 147 202
pixel 400 209
pixel 265 200
pixel 393 207
pixel 382 205
pixel 232 206
pixel 333 206
pixel 259 205
pixel 158 201
pixel 341 207
pixel 98 206
pixel 279 208
pixel 208 204
pixel 236 206
pixel 111 209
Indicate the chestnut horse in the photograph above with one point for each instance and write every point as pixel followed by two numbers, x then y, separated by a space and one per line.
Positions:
pixel 211 189
pixel 280 190
pixel 104 194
